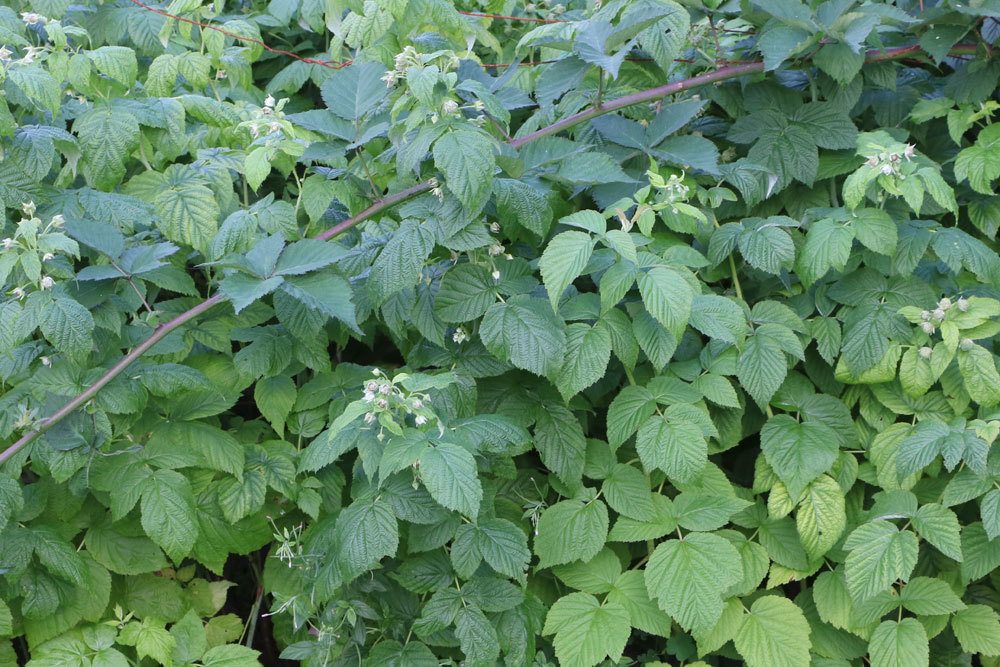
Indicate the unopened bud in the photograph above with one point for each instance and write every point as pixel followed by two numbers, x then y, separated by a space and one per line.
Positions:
pixel 967 344
pixel 963 304
pixel 927 327
pixel 938 314
pixel 944 303
pixel 926 352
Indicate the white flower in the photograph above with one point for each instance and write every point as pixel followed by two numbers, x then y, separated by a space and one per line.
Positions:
pixel 927 327
pixel 420 420
pixel 370 417
pixel 478 105
pixel 926 352
pixel 390 78
pixel 887 169
pixel 382 404
pixel 872 161
pixel 369 397
pixel 30 53
pixel 384 389
pixel 496 250
pixel 269 101
pixel 58 220
pixel 908 152
pixel 31 18
pixel 8 243
pixel 5 54
pixel 47 282
pixel 925 315
pixel 938 314
pixel 47 257
pixel 437 192
pixel 267 111
pixel 45 361
pixel 434 118
pixel 449 106
pixel 220 74
pixel 29 208
pixel 460 336
pixel 495 227
pixel 944 303
pixel 417 404
pixel 17 293
pixel 963 304
pixel 496 275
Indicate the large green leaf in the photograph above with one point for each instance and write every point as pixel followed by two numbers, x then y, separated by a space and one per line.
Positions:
pixel 687 577
pixel 571 530
pixel 774 634
pixel 465 157
pixel 527 333
pixel 587 631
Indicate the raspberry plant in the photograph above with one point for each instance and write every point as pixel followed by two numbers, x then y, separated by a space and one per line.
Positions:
pixel 409 332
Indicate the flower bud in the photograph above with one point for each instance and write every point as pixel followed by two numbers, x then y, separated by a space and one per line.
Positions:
pixel 963 304
pixel 927 327
pixel 47 257
pixel 449 106
pixel 938 314
pixel 58 220
pixel 371 385
pixel 420 420
pixel 967 344
pixel 47 282
pixel 382 404
pixel 925 315
pixel 926 352
pixel 944 303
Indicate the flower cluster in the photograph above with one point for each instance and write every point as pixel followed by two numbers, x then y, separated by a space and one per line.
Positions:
pixel 931 319
pixel 672 190
pixel 387 400
pixel 30 237
pixel 888 162
pixel 268 120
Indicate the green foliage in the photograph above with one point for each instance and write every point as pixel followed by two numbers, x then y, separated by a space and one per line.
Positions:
pixel 499 341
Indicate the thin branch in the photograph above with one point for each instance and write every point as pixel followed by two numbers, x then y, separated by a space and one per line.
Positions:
pixel 111 374
pixel 723 74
